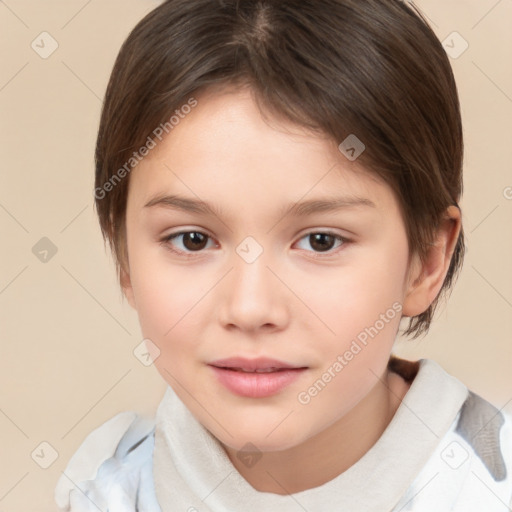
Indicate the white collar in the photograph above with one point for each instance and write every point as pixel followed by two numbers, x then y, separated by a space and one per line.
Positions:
pixel 191 469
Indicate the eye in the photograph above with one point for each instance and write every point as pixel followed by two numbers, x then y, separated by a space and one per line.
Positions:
pixel 187 241
pixel 323 242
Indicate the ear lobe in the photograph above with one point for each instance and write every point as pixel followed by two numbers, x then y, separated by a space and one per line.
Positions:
pixel 126 285
pixel 426 279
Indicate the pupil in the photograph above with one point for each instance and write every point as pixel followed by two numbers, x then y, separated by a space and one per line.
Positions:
pixel 194 241
pixel 320 241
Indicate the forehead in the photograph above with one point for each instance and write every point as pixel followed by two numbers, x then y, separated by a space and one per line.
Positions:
pixel 224 147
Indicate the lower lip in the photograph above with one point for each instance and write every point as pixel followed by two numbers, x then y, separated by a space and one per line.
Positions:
pixel 256 385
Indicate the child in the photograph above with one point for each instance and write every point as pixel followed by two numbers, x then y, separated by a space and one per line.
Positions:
pixel 279 181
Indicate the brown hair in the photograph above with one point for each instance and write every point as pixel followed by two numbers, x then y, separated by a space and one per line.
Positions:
pixel 373 68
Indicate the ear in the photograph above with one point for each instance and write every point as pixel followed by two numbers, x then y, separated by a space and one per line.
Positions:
pixel 126 284
pixel 426 279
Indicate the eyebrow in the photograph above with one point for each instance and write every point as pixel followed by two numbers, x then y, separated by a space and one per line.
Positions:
pixel 298 209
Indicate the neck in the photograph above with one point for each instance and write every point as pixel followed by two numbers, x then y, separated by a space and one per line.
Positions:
pixel 284 472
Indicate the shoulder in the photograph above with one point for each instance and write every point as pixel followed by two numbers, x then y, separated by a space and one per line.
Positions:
pixel 487 431
pixel 481 446
pixel 471 467
pixel 111 468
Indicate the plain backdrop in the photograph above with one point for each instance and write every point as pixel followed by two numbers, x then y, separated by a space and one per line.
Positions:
pixel 67 339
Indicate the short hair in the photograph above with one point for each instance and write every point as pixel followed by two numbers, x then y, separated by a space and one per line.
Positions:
pixel 372 68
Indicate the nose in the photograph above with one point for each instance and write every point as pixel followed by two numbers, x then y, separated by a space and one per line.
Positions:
pixel 253 298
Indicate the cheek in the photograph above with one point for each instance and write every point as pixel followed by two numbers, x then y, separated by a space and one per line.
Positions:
pixel 363 308
pixel 356 296
pixel 166 295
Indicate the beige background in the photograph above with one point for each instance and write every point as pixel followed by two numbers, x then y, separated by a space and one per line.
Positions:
pixel 67 339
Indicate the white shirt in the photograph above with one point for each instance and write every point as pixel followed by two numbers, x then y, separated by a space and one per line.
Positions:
pixel 446 449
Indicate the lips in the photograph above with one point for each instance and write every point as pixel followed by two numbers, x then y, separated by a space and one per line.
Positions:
pixel 255 378
pixel 259 365
pixel 258 370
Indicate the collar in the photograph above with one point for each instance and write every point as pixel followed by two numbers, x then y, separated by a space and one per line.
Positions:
pixel 191 468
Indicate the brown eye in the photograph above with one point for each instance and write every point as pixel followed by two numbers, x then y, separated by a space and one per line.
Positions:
pixel 194 241
pixel 322 242
pixel 186 241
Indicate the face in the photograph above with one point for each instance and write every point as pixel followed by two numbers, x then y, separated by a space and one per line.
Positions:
pixel 270 272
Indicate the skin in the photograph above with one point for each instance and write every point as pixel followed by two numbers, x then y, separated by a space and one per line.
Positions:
pixel 295 303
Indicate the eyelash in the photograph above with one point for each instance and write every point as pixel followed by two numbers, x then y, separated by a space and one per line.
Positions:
pixel 166 242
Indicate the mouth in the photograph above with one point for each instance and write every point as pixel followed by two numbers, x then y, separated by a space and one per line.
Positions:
pixel 256 378
pixel 258 365
pixel 258 370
